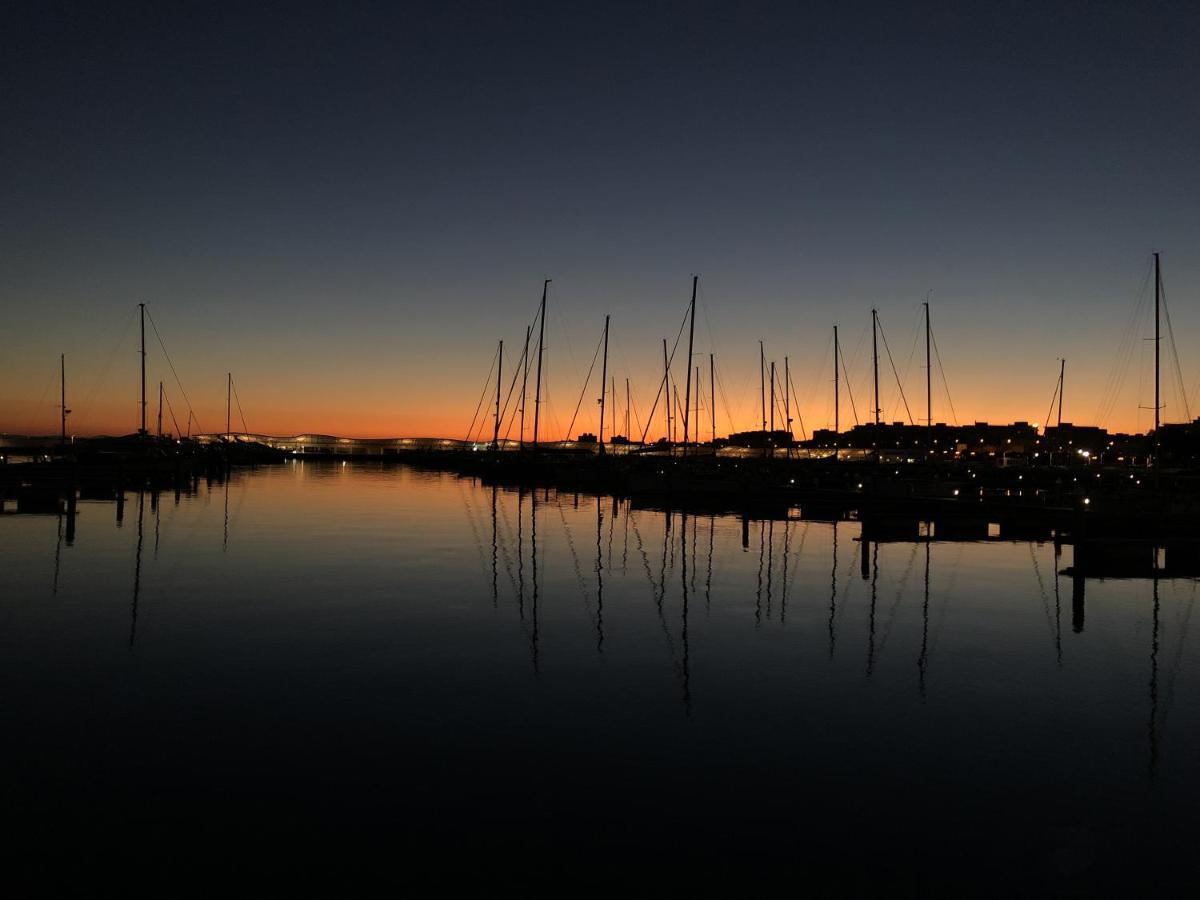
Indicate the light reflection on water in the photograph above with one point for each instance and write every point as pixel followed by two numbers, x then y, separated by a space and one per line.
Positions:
pixel 422 655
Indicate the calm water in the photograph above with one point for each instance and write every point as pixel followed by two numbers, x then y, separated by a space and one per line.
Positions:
pixel 344 669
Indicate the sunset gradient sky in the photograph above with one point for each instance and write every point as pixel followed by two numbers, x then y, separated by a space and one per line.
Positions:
pixel 346 205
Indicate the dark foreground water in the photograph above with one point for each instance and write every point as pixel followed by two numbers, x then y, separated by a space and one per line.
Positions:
pixel 334 674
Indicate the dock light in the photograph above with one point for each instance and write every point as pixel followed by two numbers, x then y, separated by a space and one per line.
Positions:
pixel 793 481
pixel 956 492
pixel 860 486
pixel 1086 501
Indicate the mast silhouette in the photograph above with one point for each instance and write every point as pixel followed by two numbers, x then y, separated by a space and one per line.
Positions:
pixel 787 403
pixel 612 393
pixel 762 385
pixel 603 385
pixel 142 312
pixel 1062 375
pixel 836 391
pixel 875 363
pixel 537 399
pixel 1157 346
pixel 666 389
pixel 687 391
pixel 627 435
pixel 62 368
pixel 712 389
pixel 928 387
pixel 524 383
pixel 160 404
pixel 772 396
pixel 228 402
pixel 499 375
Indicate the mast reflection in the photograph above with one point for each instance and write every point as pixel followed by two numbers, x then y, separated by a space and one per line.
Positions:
pixel 137 570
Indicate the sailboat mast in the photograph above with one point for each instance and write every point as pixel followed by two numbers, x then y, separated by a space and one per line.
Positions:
pixel 687 391
pixel 524 383
pixel 712 390
pixel 228 401
pixel 160 401
pixel 836 386
pixel 667 389
pixel 603 383
pixel 928 387
pixel 772 396
pixel 612 393
pixel 537 398
pixel 627 408
pixel 499 375
pixel 62 369
pixel 875 364
pixel 787 397
pixel 142 309
pixel 762 383
pixel 1157 346
pixel 1062 376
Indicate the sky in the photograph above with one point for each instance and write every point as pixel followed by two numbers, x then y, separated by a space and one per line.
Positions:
pixel 347 205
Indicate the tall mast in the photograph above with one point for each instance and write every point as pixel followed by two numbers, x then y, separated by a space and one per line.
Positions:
pixel 603 383
pixel 667 389
pixel 524 383
pixel 142 308
pixel 687 391
pixel 928 387
pixel 1062 375
pixel 697 420
pixel 499 374
pixel 836 392
pixel 762 383
pixel 160 399
pixel 787 397
pixel 772 395
pixel 537 398
pixel 712 390
pixel 1157 345
pixel 875 364
pixel 228 399
pixel 62 368
pixel 627 408
pixel 612 393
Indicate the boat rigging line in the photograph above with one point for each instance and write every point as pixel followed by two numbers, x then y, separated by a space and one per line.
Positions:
pixel 895 374
pixel 171 365
pixel 479 406
pixel 666 372
pixel 586 381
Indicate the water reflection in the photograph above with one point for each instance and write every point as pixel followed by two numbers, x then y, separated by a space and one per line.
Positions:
pixel 435 610
pixel 137 569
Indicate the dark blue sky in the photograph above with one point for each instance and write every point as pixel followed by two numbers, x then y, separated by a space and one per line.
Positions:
pixel 346 204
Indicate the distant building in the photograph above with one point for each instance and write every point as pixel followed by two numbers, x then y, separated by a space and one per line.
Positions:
pixel 1066 441
pixel 1179 444
pixel 761 439
pixel 940 441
